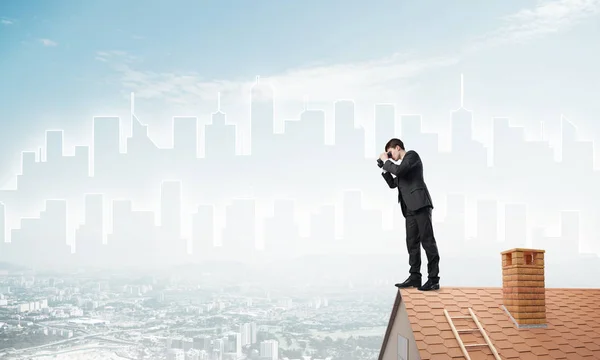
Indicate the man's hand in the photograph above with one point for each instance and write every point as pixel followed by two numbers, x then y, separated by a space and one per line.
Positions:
pixel 383 157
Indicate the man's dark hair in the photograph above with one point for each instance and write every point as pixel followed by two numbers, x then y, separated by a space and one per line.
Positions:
pixel 393 143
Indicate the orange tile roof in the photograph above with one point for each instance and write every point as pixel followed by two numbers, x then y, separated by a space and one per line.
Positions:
pixel 572 332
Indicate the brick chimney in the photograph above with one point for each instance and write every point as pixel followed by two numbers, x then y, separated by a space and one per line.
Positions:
pixel 523 287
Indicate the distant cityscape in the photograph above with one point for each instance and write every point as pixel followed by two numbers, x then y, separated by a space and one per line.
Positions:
pixel 101 202
pixel 192 318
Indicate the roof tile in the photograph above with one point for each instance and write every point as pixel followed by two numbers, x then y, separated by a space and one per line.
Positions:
pixel 511 354
pixel 433 340
pixel 592 346
pixel 522 347
pixel 539 350
pixel 455 352
pixel 557 354
pixel 436 349
pixel 584 352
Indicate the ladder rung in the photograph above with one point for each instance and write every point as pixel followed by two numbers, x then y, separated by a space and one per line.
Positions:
pixel 466 330
pixel 475 345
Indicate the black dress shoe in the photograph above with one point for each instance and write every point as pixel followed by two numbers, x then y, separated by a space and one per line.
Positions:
pixel 410 282
pixel 430 285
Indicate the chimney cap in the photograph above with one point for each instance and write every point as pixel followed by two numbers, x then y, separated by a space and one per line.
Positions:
pixel 516 250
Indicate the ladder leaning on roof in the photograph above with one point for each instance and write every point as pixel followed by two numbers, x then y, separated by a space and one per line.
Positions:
pixel 457 332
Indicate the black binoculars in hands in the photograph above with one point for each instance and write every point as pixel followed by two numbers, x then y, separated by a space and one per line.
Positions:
pixel 380 163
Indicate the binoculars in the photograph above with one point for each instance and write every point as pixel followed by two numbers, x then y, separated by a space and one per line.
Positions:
pixel 380 163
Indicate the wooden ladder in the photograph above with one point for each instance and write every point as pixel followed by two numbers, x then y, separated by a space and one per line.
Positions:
pixel 457 332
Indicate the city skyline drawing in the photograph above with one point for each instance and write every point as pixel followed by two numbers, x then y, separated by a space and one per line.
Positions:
pixel 117 225
pixel 282 166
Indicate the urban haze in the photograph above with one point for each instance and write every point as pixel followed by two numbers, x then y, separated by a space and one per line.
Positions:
pixel 161 200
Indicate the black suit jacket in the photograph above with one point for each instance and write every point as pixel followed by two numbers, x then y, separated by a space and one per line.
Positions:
pixel 413 194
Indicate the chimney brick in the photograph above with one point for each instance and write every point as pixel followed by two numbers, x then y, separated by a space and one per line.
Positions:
pixel 523 285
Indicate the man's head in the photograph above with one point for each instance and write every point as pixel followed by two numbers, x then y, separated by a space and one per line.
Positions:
pixel 396 148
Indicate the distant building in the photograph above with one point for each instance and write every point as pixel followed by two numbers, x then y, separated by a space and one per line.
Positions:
pixel 218 349
pixel 187 344
pixel 234 344
pixel 202 342
pixel 248 333
pixel 175 354
pixel 32 306
pixel 269 350
pixel 58 332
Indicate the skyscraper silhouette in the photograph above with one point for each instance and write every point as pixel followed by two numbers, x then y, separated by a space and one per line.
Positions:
pixel 322 229
pixel 360 224
pixel 307 134
pixel 41 242
pixel 203 231
pixel 261 118
pixel 90 235
pixel 54 146
pixel 569 228
pixel 79 165
pixel 134 238
pixel 467 153
pixel 185 138
pixel 426 144
pixel 28 178
pixel 220 137
pixel 281 231
pixel 453 227
pixel 139 144
pixel 487 221
pixel 385 125
pixel 2 224
pixel 515 225
pixel 312 123
pixel 106 147
pixel 508 143
pixel 170 219
pixel 577 156
pixel 349 140
pixel 239 235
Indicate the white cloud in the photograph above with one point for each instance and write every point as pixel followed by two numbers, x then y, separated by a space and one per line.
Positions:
pixel 360 81
pixel 6 22
pixel 545 18
pixel 325 83
pixel 48 42
pixel 122 56
pixel 330 82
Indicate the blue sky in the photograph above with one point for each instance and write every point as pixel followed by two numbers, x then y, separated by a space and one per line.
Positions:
pixel 63 62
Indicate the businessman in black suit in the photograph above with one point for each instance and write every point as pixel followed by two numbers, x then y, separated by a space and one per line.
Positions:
pixel 416 206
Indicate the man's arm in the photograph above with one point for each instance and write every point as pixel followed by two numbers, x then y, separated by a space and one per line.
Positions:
pixel 389 179
pixel 408 163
